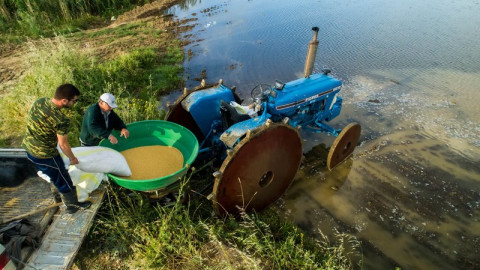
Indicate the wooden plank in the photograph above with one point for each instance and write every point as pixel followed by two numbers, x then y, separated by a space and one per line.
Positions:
pixel 65 235
pixel 44 223
pixel 33 194
pixel 31 213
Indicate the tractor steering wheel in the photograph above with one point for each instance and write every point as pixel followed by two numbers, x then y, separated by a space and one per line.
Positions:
pixel 260 91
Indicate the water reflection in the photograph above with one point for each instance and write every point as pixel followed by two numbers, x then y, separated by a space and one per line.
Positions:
pixel 187 4
pixel 411 73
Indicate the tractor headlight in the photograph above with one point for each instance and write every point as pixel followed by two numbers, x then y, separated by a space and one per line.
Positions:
pixel 279 85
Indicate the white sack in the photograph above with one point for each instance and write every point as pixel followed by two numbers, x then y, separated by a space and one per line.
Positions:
pixel 44 176
pixel 99 159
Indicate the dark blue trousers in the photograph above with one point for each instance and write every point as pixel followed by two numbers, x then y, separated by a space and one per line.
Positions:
pixel 55 169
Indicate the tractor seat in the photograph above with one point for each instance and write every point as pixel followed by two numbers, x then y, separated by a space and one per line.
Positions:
pixel 230 115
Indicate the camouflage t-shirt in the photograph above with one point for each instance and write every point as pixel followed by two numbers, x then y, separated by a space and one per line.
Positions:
pixel 44 122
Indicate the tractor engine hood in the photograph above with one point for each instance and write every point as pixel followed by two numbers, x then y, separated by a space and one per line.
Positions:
pixel 294 95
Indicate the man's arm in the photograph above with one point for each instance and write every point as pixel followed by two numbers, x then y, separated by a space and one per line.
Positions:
pixel 116 121
pixel 118 124
pixel 96 124
pixel 66 149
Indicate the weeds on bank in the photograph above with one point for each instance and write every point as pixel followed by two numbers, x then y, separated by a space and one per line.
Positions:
pixel 188 236
pixel 117 32
pixel 131 77
pixel 48 67
pixel 41 18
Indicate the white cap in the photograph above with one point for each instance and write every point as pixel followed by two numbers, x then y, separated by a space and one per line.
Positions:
pixel 109 99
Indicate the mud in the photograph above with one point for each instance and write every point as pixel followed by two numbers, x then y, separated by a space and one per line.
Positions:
pixel 395 191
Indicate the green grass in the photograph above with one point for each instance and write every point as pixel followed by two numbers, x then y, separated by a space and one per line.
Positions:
pixel 132 233
pixel 143 75
pixel 116 32
pixel 35 18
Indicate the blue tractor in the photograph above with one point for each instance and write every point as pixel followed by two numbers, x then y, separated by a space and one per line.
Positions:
pixel 259 146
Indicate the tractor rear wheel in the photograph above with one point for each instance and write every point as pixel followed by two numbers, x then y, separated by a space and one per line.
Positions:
pixel 258 170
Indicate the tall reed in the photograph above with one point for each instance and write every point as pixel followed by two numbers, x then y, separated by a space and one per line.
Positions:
pixel 39 17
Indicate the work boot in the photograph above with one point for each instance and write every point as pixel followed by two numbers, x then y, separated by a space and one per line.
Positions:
pixel 71 201
pixel 55 193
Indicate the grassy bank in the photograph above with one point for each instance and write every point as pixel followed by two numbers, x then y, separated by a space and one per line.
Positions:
pixel 136 78
pixel 131 233
pixel 34 18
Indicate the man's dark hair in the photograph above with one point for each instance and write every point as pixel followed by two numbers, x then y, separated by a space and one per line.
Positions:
pixel 67 91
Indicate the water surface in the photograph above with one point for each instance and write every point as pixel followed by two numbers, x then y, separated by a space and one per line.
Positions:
pixel 410 69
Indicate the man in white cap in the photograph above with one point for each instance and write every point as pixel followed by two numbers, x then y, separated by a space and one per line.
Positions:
pixel 99 121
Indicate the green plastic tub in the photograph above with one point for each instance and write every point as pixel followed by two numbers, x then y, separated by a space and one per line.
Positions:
pixel 155 132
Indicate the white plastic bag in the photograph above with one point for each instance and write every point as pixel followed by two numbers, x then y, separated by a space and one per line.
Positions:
pixel 99 159
pixel 243 109
pixel 44 176
pixel 85 182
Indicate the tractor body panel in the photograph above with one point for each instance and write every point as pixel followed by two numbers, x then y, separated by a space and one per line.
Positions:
pixel 237 131
pixel 307 100
pixel 204 106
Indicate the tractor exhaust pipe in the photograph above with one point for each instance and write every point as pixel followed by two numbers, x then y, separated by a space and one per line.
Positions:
pixel 312 52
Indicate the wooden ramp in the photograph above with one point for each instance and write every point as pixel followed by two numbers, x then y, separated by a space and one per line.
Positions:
pixel 33 194
pixel 62 233
pixel 65 236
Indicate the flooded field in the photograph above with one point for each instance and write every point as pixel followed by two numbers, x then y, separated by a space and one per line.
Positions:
pixel 411 75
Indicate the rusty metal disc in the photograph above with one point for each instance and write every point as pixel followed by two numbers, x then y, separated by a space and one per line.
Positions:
pixel 259 170
pixel 343 145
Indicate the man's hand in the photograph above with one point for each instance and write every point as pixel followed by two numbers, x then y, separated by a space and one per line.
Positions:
pixel 74 161
pixel 66 149
pixel 125 133
pixel 112 139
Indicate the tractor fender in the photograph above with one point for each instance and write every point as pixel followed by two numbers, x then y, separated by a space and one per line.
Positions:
pixel 236 132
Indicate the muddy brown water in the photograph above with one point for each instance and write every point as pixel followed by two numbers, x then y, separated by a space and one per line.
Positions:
pixel 410 70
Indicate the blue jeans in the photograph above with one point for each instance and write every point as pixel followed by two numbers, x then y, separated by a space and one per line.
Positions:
pixel 55 169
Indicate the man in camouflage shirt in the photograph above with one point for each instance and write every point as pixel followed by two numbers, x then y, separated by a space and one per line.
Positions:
pixel 47 126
